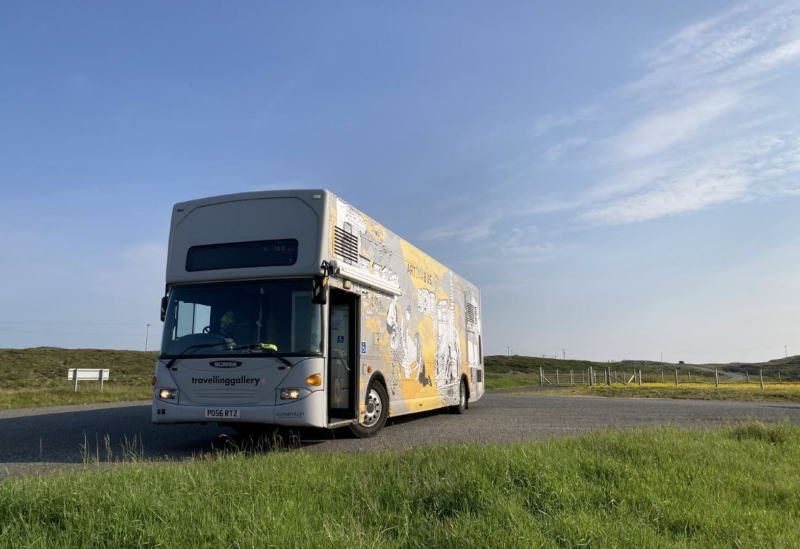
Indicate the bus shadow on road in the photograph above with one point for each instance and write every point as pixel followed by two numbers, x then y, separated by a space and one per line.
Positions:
pixel 273 438
pixel 106 434
pixel 126 433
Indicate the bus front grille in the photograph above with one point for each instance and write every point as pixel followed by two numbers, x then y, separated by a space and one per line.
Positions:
pixel 227 396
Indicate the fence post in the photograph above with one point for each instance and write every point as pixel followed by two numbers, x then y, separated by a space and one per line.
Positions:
pixel 557 383
pixel 761 378
pixel 779 377
pixel 640 378
pixel 75 383
pixel 676 377
pixel 748 376
pixel 716 377
pixel 571 379
pixel 690 376
pixel 662 376
pixel 590 377
pixel 541 376
pixel 583 377
pixel 101 379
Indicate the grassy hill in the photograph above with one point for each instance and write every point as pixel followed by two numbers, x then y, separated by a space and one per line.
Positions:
pixel 38 376
pixel 42 367
pixel 501 366
pixel 789 368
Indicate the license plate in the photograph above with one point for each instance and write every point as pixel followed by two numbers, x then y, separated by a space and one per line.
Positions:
pixel 222 413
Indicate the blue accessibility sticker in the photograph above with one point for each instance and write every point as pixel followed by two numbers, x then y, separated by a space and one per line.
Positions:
pixel 363 347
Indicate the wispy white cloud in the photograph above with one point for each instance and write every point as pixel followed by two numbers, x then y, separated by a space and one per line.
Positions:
pixel 659 130
pixel 470 232
pixel 691 193
pixel 555 152
pixel 517 244
pixel 759 166
pixel 697 128
pixel 678 138
pixel 550 122
pixel 732 47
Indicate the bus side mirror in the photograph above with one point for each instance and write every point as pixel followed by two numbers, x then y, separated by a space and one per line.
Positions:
pixel 164 301
pixel 319 290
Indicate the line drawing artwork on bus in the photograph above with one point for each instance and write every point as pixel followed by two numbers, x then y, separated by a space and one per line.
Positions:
pixel 369 251
pixel 448 347
pixel 406 349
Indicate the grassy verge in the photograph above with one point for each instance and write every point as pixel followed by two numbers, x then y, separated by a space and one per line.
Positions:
pixel 34 398
pixel 748 392
pixel 509 380
pixel 38 377
pixel 735 487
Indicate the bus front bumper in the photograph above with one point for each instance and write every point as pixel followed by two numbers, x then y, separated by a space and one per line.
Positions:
pixel 307 412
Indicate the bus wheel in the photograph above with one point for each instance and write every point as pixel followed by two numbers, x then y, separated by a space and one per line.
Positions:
pixel 377 410
pixel 463 399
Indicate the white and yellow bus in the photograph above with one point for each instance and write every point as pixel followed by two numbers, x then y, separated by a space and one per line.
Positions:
pixel 293 308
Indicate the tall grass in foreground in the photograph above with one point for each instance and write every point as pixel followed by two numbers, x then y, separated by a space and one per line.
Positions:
pixel 736 487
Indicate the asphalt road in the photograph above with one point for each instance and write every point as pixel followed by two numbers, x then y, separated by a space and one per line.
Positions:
pixel 39 439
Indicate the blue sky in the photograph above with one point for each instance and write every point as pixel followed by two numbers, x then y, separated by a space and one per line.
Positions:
pixel 621 179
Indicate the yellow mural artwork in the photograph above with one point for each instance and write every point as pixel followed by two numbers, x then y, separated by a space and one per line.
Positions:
pixel 417 337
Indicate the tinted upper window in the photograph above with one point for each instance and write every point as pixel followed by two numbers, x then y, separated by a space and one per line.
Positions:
pixel 237 255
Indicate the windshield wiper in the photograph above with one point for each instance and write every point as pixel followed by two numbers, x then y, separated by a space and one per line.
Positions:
pixel 193 348
pixel 263 347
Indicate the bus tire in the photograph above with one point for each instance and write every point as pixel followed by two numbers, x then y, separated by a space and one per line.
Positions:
pixel 377 410
pixel 463 398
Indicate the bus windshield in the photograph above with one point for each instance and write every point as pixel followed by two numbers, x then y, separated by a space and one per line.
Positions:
pixel 275 313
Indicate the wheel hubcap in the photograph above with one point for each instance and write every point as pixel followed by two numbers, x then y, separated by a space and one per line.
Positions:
pixel 374 406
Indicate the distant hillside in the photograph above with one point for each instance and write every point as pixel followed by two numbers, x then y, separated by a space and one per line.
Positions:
pixel 789 368
pixel 47 366
pixel 43 367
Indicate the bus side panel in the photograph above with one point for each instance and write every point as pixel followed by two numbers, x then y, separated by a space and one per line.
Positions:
pixel 422 341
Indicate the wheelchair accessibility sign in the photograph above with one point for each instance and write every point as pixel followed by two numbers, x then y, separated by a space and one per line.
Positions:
pixel 363 347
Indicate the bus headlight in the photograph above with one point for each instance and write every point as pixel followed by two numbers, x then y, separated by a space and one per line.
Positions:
pixel 290 394
pixel 167 394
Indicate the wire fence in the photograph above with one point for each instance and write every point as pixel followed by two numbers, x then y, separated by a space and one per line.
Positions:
pixel 609 376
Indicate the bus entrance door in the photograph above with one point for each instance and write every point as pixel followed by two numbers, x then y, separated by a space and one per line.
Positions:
pixel 342 358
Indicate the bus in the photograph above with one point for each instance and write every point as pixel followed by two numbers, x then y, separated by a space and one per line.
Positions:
pixel 293 308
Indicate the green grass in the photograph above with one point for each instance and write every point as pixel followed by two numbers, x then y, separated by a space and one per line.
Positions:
pixel 746 392
pixel 87 394
pixel 516 370
pixel 735 487
pixel 38 376
pixel 788 368
pixel 507 380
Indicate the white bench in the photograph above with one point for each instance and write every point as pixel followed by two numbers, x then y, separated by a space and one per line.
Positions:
pixel 87 374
